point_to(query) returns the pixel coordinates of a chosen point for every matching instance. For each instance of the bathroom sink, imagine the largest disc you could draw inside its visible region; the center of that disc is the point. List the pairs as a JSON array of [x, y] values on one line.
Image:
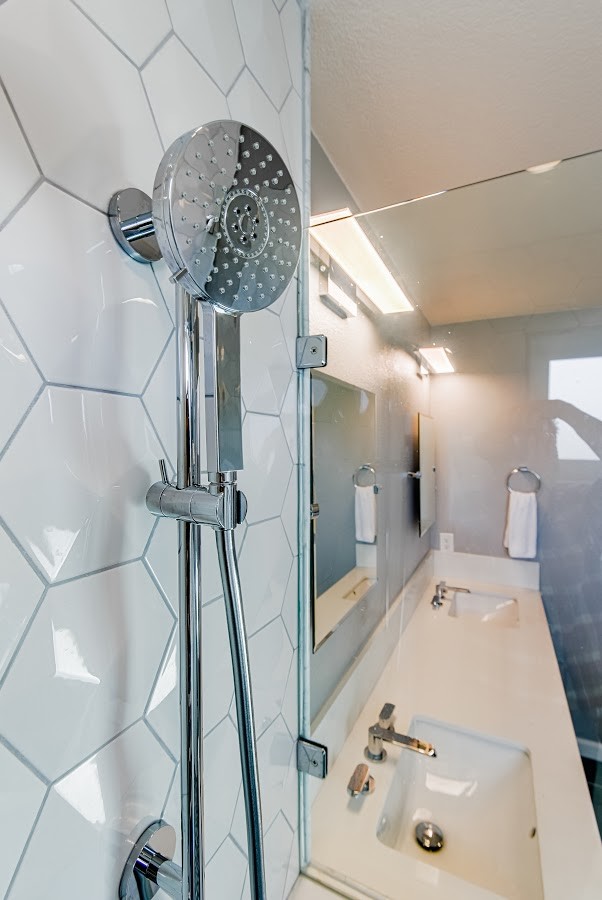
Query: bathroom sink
[[493, 609], [479, 791]]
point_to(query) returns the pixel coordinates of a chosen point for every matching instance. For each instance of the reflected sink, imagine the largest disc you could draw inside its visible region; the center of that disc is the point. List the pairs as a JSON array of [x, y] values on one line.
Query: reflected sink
[[479, 791], [494, 609]]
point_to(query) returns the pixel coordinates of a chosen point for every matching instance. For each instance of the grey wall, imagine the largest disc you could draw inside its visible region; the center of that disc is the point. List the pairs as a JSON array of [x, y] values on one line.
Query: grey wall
[[495, 414], [359, 354], [344, 429]]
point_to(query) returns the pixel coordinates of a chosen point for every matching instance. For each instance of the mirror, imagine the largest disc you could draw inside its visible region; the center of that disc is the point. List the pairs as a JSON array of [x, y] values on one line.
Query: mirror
[[506, 275], [426, 457], [345, 491]]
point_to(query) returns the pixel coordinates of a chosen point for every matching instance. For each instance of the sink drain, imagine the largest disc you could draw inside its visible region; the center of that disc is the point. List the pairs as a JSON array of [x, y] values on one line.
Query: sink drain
[[429, 836]]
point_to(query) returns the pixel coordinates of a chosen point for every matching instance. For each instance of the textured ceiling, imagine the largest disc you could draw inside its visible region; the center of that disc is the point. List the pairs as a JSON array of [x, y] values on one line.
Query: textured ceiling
[[413, 97]]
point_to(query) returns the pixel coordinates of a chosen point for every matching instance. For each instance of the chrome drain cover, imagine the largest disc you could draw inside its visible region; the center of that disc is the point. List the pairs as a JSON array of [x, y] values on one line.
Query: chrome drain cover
[[429, 836]]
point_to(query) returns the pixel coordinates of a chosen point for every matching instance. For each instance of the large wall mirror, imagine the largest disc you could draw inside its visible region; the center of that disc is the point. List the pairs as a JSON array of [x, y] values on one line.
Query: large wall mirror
[[503, 278]]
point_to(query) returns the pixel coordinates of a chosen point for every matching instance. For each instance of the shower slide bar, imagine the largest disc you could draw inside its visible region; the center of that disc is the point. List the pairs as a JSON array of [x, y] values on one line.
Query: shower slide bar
[[230, 237]]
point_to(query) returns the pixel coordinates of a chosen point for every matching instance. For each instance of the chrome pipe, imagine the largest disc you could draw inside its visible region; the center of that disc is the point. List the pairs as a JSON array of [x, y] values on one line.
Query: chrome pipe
[[189, 552], [244, 705]]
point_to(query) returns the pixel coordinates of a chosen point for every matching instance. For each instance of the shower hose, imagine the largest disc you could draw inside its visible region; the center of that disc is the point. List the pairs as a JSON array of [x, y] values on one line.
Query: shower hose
[[244, 707]]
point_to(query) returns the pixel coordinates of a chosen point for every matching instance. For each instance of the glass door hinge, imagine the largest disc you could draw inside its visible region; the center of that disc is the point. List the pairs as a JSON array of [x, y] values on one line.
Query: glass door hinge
[[312, 758], [311, 351]]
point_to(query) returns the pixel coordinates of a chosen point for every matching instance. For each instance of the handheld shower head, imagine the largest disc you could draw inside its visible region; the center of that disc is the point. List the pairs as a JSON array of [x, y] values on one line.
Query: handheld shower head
[[226, 216]]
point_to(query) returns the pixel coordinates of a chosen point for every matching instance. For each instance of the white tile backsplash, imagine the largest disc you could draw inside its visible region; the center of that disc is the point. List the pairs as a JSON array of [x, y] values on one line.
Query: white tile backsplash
[[15, 160], [22, 793], [20, 591], [212, 35], [81, 679], [98, 322], [88, 640], [93, 456], [17, 370], [93, 815], [80, 101], [172, 73], [114, 18], [260, 31]]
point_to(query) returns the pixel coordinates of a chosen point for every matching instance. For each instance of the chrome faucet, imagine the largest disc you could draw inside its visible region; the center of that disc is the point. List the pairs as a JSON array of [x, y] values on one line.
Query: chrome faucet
[[383, 732], [441, 593]]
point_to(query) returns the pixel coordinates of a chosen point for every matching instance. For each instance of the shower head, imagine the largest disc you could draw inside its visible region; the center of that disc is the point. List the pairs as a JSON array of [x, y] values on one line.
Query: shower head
[[226, 216]]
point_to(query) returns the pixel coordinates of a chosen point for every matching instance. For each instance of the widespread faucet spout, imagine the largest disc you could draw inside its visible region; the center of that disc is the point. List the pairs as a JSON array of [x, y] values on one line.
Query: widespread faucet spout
[[383, 732]]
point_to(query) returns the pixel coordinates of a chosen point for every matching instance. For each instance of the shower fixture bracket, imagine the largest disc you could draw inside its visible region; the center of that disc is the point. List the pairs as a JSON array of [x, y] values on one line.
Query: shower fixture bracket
[[131, 221], [225, 218], [149, 866]]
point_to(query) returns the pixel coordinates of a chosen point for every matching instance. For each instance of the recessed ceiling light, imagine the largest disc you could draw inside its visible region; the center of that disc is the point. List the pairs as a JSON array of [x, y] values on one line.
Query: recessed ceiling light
[[544, 167], [348, 244]]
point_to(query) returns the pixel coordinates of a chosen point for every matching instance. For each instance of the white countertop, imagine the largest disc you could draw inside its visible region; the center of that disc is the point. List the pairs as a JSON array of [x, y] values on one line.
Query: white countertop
[[502, 682]]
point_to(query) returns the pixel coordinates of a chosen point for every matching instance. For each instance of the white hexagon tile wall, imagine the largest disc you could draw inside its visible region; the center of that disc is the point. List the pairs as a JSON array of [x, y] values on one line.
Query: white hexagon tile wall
[[91, 93]]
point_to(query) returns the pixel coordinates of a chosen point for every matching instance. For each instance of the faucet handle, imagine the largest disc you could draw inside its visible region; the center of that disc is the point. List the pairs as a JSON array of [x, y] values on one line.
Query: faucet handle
[[386, 717], [361, 782]]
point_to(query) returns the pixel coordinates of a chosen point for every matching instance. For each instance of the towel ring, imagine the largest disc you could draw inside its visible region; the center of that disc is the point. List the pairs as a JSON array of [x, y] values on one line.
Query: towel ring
[[524, 470], [365, 468]]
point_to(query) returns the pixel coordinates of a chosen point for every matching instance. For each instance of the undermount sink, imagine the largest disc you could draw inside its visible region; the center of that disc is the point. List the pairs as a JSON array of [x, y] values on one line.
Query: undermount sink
[[479, 791], [493, 609]]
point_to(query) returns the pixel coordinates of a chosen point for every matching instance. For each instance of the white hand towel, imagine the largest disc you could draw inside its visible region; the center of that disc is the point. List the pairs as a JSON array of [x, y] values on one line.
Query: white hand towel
[[520, 538], [365, 514]]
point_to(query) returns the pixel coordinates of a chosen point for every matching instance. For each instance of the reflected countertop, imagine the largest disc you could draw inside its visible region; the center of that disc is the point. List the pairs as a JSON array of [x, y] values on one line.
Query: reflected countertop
[[499, 681]]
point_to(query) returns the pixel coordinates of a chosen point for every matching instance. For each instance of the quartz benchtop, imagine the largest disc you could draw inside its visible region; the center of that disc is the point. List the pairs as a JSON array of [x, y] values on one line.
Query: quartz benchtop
[[499, 681]]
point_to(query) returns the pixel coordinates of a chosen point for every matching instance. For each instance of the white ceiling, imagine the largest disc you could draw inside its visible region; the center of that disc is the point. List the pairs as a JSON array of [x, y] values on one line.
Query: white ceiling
[[415, 96]]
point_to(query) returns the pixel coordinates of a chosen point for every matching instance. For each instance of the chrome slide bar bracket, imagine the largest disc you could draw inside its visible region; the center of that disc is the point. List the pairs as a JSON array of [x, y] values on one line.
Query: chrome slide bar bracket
[[149, 866]]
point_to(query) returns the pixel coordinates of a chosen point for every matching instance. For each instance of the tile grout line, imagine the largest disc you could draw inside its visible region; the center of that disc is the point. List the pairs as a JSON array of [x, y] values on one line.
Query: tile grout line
[[170, 786], [152, 112], [20, 336], [113, 392], [27, 842], [5, 222], [24, 760], [101, 31], [74, 196], [94, 752], [21, 421], [159, 740], [166, 455], [159, 359], [21, 640], [4, 90], [200, 65], [157, 675], [11, 535], [150, 537], [157, 49], [154, 271], [155, 581], [82, 575]]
